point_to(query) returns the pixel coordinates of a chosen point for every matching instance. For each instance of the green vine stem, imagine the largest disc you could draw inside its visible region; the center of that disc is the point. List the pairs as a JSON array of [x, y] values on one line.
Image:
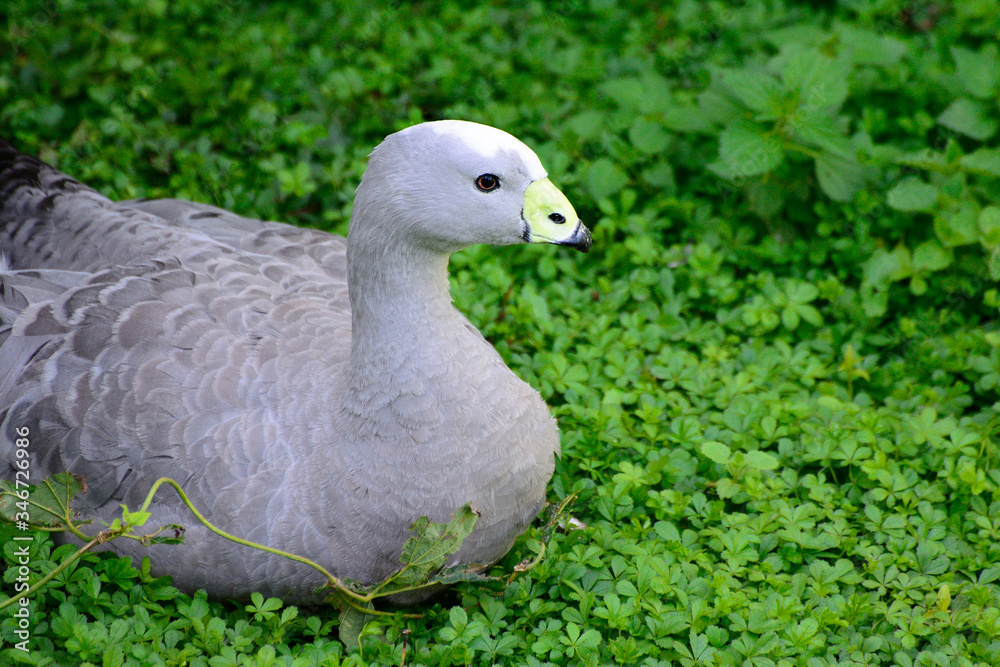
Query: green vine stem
[[352, 598]]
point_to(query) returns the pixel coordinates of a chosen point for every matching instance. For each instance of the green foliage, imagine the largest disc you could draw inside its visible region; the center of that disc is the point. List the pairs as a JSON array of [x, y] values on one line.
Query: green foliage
[[432, 543], [46, 507], [777, 373], [49, 507]]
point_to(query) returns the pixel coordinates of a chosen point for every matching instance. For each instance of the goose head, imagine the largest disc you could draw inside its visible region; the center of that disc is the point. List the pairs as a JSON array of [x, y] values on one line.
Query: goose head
[[445, 185]]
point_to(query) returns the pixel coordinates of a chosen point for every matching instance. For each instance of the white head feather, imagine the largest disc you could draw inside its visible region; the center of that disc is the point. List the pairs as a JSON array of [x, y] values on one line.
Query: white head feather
[[486, 141]]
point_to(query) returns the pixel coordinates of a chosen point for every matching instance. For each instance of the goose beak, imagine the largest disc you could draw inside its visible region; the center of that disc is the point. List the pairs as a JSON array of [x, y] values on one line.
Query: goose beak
[[548, 217]]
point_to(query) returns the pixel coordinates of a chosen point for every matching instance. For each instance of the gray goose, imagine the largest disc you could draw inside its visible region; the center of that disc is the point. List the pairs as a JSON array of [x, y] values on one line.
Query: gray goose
[[311, 393]]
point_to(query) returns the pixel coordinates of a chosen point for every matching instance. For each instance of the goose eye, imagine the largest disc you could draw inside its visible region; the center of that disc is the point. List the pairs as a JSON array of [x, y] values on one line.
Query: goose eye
[[487, 183]]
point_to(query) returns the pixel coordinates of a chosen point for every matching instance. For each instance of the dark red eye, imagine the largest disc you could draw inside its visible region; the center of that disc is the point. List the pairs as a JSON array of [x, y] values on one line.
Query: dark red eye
[[487, 183]]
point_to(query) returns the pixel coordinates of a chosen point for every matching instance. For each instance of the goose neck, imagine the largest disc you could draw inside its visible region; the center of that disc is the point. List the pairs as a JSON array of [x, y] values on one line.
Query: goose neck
[[400, 300]]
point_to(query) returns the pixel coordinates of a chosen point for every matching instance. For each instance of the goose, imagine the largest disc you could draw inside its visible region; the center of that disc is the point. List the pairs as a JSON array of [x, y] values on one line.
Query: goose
[[311, 393]]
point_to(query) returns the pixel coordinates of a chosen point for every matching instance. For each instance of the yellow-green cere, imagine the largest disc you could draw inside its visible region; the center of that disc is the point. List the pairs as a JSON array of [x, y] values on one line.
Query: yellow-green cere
[[548, 214]]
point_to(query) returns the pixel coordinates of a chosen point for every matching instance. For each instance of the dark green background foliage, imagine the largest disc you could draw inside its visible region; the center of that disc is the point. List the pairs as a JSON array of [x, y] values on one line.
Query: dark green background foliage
[[776, 374]]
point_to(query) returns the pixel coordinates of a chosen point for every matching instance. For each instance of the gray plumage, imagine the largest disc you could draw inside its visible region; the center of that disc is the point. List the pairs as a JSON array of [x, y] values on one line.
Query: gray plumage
[[308, 393]]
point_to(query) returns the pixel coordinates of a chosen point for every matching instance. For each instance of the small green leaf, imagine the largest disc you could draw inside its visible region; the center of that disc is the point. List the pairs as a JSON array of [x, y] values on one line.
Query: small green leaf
[[716, 106], [820, 80], [716, 451], [874, 302], [648, 137], [667, 531], [761, 460], [745, 150], [790, 318], [969, 118], [870, 47], [757, 90], [839, 177], [727, 488], [810, 315], [587, 124], [880, 268], [801, 292], [605, 178], [989, 226], [134, 519], [686, 120], [931, 256], [957, 226], [850, 365], [986, 160], [912, 194], [48, 502], [427, 551], [176, 538], [629, 92], [661, 175], [458, 618], [459, 574], [943, 601], [978, 71], [818, 129], [352, 623]]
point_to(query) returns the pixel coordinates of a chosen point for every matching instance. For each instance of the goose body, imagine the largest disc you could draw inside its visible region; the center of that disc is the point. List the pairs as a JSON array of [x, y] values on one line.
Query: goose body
[[311, 393]]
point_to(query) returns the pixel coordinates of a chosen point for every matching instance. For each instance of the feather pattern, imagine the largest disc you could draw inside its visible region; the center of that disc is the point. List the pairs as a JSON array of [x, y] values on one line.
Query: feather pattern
[[309, 393]]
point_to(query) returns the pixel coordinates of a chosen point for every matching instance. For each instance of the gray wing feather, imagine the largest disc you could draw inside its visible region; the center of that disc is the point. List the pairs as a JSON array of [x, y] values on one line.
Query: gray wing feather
[[307, 248], [138, 339]]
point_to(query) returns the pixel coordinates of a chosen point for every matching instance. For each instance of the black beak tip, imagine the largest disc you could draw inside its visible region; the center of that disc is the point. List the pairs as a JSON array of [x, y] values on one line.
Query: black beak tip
[[582, 239]]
